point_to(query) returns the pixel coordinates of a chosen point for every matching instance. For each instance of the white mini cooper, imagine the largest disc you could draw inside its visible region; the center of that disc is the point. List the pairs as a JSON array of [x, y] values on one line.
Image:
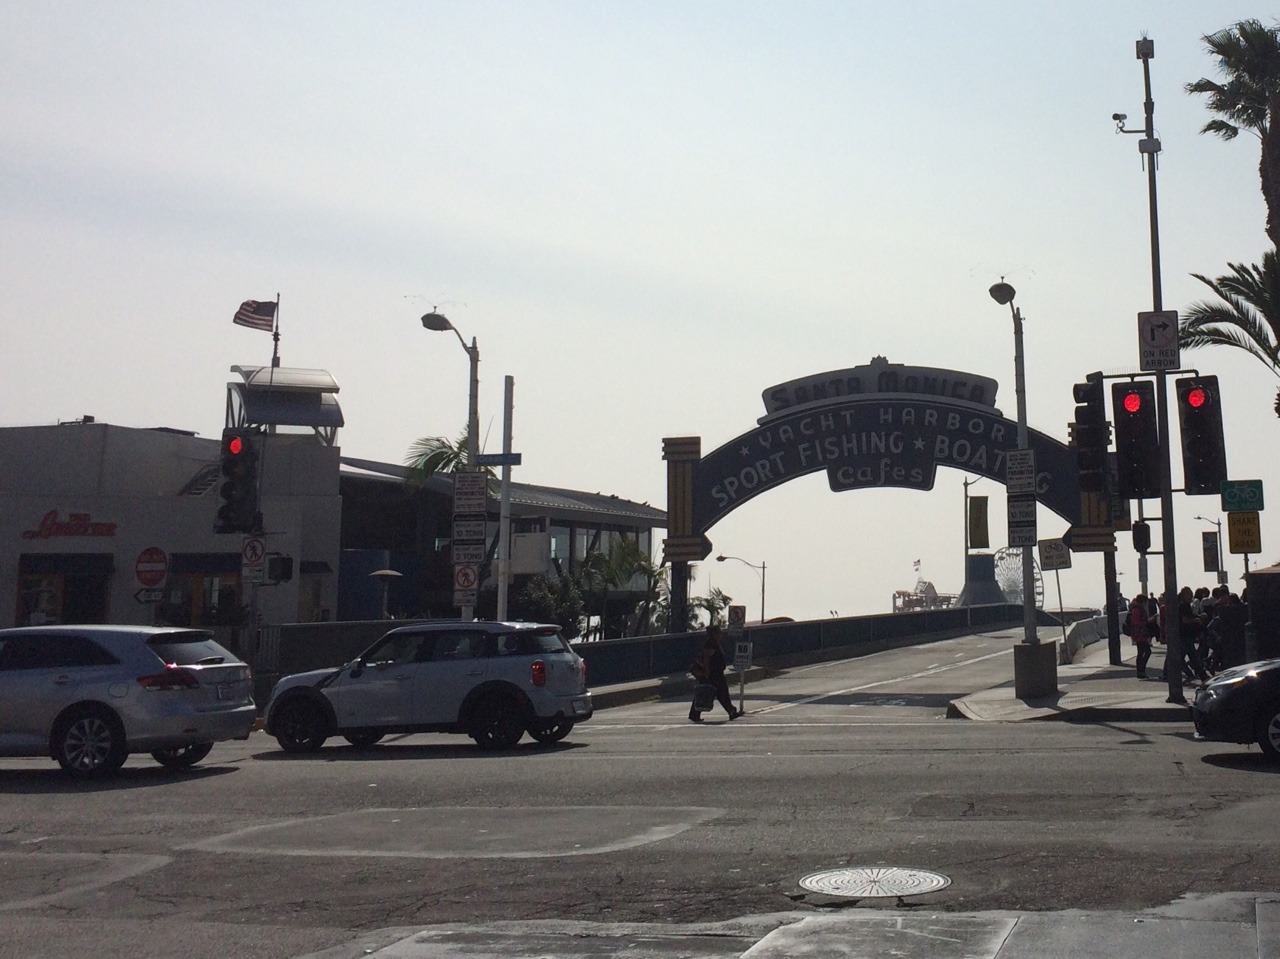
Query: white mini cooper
[[492, 681]]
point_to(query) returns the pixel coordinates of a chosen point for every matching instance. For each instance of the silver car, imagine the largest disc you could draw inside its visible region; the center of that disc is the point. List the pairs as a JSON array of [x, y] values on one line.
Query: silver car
[[89, 695]]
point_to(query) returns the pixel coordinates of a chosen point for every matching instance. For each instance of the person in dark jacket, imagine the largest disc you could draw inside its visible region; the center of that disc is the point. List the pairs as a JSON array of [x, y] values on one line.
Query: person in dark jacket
[[713, 667]]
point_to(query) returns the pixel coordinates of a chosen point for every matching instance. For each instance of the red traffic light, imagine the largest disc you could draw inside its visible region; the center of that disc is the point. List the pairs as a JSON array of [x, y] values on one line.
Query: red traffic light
[[1197, 397], [235, 446], [1132, 402]]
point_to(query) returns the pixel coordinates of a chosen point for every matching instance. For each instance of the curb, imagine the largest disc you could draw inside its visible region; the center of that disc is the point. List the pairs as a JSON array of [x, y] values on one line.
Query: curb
[[673, 686]]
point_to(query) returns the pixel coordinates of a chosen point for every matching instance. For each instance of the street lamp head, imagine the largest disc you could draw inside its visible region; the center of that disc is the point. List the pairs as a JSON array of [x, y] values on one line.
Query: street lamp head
[[1002, 293], [721, 558], [435, 321]]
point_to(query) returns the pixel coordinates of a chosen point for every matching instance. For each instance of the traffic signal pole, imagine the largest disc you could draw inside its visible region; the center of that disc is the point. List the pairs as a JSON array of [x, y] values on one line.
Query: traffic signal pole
[[1149, 147]]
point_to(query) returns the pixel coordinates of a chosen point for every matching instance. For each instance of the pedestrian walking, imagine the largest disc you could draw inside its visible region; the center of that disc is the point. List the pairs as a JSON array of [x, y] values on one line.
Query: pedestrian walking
[[711, 664], [1136, 626], [1190, 627]]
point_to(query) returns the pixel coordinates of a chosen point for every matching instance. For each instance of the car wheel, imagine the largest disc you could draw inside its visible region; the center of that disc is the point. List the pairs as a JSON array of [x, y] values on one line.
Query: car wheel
[[362, 740], [550, 732], [300, 727], [1269, 732], [496, 723], [90, 742], [181, 757]]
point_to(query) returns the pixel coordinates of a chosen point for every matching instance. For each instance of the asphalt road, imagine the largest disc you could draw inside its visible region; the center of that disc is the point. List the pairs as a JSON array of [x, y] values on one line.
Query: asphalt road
[[640, 816]]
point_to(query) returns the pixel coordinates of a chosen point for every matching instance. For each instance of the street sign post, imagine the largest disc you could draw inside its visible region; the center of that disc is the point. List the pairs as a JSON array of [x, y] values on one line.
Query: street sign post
[[253, 561], [466, 583], [468, 554], [469, 529], [498, 459], [742, 649], [1244, 532], [742, 662], [1022, 520], [151, 568], [470, 493], [1241, 496], [1020, 475], [1158, 341], [1054, 555]]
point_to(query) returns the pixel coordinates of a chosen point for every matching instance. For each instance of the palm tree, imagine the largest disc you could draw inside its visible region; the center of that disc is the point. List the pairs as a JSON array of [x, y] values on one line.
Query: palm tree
[[429, 455], [1247, 315], [1248, 55]]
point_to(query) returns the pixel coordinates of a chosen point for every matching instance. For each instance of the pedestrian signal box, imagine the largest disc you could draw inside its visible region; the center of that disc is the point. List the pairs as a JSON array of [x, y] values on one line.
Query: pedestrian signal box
[[1204, 458], [1141, 537], [1133, 408]]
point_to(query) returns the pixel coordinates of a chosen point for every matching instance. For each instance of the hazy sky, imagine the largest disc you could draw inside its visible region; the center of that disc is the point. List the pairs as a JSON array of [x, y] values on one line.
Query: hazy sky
[[645, 212]]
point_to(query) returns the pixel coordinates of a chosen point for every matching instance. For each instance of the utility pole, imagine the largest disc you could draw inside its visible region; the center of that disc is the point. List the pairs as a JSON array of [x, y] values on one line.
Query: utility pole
[[1149, 147]]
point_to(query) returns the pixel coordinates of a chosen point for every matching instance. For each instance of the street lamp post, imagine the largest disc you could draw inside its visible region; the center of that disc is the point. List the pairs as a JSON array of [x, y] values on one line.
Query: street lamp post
[[439, 323], [760, 571], [1035, 670], [1217, 523], [1149, 149]]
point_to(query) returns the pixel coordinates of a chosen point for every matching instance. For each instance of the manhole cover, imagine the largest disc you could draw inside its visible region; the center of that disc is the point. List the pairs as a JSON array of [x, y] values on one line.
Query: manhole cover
[[866, 882]]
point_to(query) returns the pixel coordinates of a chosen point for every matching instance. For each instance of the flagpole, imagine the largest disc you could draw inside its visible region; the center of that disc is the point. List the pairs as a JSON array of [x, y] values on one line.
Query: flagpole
[[275, 336]]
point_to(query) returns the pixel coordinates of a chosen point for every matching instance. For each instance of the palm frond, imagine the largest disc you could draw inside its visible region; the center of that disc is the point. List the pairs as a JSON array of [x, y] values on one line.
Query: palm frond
[[1248, 316]]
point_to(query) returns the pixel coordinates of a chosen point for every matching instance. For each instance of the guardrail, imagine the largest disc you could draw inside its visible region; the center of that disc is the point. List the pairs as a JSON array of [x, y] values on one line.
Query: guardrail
[[299, 647]]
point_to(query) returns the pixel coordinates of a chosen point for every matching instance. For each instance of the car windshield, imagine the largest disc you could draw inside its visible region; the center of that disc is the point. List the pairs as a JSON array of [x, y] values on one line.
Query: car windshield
[[192, 648]]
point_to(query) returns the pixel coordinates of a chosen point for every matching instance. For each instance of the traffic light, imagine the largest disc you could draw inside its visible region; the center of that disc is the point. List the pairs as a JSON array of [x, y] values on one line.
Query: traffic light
[[1133, 408], [1141, 537], [1204, 460], [1091, 434], [239, 510]]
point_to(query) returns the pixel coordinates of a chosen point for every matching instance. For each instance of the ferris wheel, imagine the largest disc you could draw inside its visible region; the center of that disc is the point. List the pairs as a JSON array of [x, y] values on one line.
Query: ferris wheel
[[1009, 575]]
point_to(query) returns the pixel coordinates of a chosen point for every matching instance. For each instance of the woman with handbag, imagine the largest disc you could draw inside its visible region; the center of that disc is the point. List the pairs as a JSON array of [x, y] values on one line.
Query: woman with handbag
[[708, 668]]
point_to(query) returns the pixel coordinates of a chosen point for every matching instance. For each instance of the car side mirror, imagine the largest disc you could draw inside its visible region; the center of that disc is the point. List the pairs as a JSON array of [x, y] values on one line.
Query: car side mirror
[[357, 667]]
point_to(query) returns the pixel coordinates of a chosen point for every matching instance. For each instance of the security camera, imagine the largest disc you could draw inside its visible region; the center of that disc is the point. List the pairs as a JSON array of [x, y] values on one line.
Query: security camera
[[1119, 117]]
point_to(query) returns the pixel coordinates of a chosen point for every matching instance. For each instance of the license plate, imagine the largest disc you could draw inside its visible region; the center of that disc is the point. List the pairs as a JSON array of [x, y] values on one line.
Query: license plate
[[579, 705]]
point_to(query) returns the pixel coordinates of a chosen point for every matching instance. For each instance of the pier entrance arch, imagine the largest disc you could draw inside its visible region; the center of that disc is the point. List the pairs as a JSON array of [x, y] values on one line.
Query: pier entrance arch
[[874, 426]]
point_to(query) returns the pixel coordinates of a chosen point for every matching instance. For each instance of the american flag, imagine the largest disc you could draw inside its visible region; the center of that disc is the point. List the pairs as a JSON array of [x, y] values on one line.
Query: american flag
[[916, 566], [259, 316]]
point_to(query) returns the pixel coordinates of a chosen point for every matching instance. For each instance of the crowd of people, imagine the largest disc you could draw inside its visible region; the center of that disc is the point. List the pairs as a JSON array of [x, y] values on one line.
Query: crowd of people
[[1211, 626]]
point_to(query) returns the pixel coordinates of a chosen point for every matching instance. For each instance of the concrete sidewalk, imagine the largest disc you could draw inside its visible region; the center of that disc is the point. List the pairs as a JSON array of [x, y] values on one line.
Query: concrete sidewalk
[[1245, 924], [1089, 690]]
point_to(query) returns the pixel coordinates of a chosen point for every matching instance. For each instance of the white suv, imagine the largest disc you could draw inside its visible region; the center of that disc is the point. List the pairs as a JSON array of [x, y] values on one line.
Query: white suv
[[492, 681]]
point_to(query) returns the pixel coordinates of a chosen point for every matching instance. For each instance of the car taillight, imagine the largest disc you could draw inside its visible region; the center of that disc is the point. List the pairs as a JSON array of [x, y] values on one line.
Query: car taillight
[[539, 673], [583, 664], [173, 677]]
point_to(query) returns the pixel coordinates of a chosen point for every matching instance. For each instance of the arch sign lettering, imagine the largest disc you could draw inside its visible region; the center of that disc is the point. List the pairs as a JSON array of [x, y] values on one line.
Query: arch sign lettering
[[874, 426]]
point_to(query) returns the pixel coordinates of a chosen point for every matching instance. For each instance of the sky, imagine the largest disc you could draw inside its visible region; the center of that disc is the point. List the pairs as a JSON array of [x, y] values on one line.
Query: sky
[[645, 213]]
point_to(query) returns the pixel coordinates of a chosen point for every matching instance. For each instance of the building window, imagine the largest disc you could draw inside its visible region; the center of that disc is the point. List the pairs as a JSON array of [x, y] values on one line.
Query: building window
[[560, 544], [39, 600]]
